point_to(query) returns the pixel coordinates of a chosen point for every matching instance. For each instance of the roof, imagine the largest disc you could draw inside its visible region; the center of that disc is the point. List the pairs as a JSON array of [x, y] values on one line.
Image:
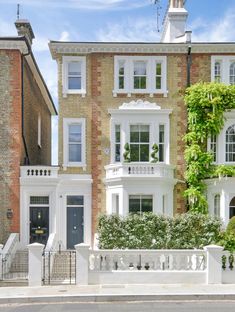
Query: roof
[[21, 44]]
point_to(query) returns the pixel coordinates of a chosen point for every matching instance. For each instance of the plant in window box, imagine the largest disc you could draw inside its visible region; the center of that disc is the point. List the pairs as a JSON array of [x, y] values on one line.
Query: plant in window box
[[127, 153], [154, 153]]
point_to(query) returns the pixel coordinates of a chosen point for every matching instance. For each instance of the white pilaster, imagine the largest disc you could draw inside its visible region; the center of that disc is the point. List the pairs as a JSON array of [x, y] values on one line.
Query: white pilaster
[[35, 264], [214, 264], [82, 264]]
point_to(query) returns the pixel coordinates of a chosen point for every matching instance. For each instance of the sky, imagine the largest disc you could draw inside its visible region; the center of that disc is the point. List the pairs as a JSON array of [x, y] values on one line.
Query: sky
[[108, 20]]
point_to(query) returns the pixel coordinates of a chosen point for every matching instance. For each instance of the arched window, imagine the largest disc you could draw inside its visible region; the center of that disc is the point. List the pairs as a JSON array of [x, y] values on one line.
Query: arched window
[[232, 74], [230, 144], [232, 208], [217, 205], [217, 71]]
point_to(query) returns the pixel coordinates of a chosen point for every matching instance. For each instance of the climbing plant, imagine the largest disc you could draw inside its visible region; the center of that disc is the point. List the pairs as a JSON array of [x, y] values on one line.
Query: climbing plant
[[206, 104]]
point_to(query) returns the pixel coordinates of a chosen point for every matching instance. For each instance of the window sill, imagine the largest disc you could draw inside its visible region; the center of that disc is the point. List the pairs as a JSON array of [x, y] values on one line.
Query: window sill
[[74, 165], [151, 93], [75, 92]]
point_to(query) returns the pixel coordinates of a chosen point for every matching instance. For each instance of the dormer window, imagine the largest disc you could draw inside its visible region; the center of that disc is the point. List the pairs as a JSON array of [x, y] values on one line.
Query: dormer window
[[74, 75]]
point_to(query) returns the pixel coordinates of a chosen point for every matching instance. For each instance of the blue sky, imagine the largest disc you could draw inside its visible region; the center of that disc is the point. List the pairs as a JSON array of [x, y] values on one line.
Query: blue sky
[[108, 20]]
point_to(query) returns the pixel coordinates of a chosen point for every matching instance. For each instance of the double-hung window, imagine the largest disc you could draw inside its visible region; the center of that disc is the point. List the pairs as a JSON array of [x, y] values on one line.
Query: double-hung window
[[139, 204], [74, 142], [74, 75], [161, 144], [213, 146], [139, 143], [117, 143], [140, 74]]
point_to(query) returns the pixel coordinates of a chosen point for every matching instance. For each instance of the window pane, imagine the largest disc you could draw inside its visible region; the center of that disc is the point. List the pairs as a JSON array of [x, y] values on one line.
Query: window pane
[[74, 83], [140, 68], [121, 83], [121, 67], [75, 152], [144, 152], [134, 134], [158, 69], [144, 134], [147, 204], [134, 204], [39, 200], [117, 152], [139, 82], [75, 200], [75, 133], [74, 68], [134, 152], [117, 133], [158, 82]]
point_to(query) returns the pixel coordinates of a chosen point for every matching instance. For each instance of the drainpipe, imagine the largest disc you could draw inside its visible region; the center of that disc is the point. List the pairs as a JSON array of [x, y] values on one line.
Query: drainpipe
[[26, 160], [189, 63]]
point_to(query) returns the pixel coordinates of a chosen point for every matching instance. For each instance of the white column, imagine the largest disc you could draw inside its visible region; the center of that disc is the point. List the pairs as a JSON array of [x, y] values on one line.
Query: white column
[[214, 264], [35, 264], [82, 264]]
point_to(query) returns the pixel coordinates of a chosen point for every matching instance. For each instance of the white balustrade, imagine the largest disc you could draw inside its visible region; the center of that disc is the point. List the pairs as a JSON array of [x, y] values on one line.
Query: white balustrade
[[139, 169], [38, 172], [156, 260]]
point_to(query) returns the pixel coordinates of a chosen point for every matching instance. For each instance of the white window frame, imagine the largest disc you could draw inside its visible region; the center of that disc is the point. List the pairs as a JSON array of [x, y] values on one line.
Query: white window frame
[[151, 74], [66, 60], [141, 199], [225, 62], [66, 123]]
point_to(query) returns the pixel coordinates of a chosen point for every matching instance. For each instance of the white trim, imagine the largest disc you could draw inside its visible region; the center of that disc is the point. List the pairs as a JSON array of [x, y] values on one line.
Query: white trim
[[225, 61], [65, 61], [66, 123], [151, 74]]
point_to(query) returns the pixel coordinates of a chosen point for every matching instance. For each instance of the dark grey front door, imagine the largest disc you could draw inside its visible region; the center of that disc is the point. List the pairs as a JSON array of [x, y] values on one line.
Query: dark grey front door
[[74, 226], [39, 224]]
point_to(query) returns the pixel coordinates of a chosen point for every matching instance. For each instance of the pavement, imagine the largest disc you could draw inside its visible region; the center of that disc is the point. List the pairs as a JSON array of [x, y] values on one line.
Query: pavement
[[109, 293]]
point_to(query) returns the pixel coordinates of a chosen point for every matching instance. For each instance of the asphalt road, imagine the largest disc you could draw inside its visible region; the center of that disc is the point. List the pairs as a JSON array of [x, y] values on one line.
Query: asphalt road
[[167, 306]]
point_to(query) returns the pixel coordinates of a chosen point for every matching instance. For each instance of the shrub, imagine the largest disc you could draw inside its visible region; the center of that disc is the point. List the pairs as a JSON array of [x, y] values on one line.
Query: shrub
[[227, 240], [151, 231], [231, 226]]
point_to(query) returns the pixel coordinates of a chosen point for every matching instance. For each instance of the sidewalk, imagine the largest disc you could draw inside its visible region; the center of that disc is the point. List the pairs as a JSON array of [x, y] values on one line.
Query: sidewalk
[[107, 293]]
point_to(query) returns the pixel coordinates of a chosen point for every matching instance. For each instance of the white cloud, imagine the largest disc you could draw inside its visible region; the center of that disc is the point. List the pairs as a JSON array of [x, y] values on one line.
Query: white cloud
[[85, 4], [217, 31], [65, 36], [130, 30]]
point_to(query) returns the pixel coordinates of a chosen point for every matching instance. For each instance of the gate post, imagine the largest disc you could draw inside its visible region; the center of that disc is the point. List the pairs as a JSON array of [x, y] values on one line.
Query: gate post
[[82, 264], [35, 264], [214, 264]]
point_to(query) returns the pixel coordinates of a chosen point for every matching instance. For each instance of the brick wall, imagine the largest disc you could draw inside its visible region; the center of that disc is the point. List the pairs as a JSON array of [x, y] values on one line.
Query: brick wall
[[34, 105], [10, 140]]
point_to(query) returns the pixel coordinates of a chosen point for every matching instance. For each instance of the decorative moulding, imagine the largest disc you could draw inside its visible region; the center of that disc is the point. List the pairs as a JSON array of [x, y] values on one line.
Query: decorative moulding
[[139, 104]]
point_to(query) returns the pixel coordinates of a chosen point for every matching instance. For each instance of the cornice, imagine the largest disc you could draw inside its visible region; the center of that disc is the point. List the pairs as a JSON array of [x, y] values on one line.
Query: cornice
[[14, 45], [62, 48]]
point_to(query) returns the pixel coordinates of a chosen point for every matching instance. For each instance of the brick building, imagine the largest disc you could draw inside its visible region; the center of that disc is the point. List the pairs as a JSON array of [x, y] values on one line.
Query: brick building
[[25, 122], [119, 99]]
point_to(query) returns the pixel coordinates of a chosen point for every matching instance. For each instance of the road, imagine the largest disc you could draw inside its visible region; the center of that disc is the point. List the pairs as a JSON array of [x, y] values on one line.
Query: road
[[167, 306]]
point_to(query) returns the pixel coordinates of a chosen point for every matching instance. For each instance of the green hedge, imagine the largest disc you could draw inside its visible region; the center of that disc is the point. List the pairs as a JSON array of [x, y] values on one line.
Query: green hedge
[[151, 231]]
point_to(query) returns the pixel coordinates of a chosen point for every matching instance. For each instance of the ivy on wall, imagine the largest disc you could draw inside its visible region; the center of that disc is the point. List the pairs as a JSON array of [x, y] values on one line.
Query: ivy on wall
[[206, 104]]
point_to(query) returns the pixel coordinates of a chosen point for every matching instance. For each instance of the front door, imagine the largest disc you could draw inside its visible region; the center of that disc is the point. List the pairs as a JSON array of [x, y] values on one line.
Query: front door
[[39, 224], [74, 226]]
